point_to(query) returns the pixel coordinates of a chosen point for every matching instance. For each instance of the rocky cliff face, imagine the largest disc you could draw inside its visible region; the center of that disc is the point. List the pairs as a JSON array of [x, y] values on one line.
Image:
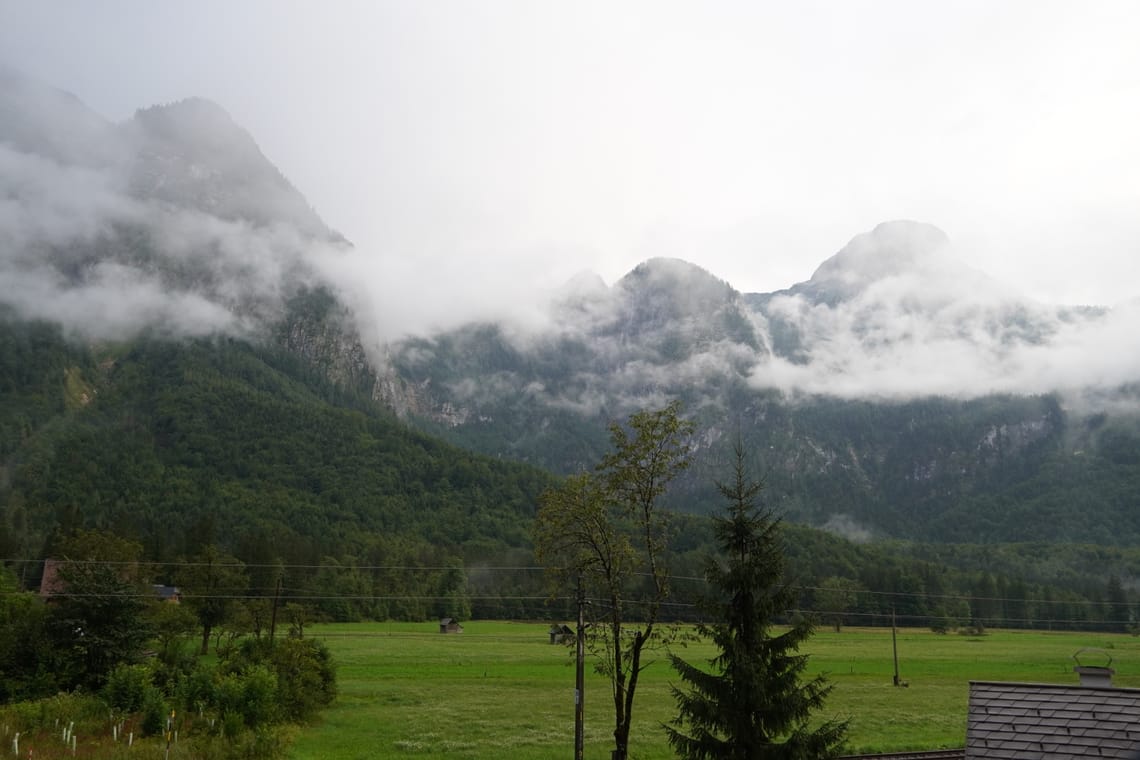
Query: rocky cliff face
[[320, 330]]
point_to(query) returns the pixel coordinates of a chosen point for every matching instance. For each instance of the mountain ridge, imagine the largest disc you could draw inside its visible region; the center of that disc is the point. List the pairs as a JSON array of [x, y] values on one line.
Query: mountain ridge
[[890, 392], [913, 458]]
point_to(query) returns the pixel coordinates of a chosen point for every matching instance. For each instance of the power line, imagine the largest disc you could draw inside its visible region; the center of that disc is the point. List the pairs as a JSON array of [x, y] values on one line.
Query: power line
[[912, 618], [477, 569], [313, 594]]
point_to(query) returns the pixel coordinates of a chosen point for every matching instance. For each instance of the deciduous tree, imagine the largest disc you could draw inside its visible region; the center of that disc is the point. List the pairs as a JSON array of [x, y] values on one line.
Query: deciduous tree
[[98, 618], [25, 653], [211, 584], [607, 527], [835, 596]]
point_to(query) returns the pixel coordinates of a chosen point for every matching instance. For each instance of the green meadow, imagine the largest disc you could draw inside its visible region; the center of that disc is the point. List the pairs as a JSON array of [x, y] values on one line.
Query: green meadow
[[501, 690]]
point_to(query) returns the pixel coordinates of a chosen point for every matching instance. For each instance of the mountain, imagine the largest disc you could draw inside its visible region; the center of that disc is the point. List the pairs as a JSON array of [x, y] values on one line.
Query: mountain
[[188, 154], [192, 154], [892, 249], [171, 223], [897, 393], [900, 286], [175, 367]]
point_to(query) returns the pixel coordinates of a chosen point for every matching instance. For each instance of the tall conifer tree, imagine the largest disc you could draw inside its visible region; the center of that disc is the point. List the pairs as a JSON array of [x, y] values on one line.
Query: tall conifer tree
[[753, 702]]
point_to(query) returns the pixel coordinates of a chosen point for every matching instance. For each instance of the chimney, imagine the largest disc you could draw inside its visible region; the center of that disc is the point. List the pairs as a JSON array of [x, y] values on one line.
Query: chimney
[[1094, 676]]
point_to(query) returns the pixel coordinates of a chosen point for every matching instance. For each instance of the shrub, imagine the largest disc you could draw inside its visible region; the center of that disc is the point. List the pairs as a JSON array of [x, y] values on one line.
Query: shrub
[[126, 687], [303, 668], [198, 690], [306, 677], [250, 694], [153, 709]]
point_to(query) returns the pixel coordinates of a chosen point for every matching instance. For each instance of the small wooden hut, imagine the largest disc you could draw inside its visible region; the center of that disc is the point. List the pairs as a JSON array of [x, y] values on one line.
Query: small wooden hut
[[561, 633]]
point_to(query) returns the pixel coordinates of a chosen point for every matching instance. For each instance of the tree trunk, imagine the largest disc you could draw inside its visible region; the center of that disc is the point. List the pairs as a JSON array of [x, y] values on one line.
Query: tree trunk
[[206, 631], [621, 725], [621, 739], [621, 733]]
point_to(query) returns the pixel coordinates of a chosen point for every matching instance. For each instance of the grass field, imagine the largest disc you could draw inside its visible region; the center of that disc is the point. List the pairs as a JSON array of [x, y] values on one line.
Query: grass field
[[501, 691]]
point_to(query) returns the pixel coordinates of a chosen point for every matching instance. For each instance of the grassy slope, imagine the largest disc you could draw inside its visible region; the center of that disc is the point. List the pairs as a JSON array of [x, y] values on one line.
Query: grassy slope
[[501, 691]]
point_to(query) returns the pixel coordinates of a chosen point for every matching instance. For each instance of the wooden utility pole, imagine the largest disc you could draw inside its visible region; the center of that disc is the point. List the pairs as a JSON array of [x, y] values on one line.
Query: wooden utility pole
[[895, 646], [580, 674], [273, 616]]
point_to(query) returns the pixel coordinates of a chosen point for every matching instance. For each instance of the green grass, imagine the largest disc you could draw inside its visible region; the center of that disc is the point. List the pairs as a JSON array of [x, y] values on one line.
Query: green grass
[[499, 690]]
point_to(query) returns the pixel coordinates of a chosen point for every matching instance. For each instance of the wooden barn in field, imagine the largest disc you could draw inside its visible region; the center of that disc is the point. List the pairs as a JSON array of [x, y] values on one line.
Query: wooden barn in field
[[561, 633], [450, 625]]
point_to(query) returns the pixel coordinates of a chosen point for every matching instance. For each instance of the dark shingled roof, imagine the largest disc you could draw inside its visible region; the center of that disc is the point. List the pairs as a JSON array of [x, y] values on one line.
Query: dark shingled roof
[[1020, 721]]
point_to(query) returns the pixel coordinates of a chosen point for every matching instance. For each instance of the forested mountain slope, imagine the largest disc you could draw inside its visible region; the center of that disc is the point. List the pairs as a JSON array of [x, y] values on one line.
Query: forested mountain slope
[[997, 468], [185, 443]]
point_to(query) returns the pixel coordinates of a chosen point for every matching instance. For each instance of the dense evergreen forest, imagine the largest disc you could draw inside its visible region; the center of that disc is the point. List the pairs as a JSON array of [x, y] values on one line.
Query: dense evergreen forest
[[239, 449], [183, 445]]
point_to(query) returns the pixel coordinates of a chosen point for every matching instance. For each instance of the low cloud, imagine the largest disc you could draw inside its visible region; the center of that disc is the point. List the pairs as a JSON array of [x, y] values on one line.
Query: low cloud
[[908, 338], [78, 249], [114, 302], [43, 202], [846, 526]]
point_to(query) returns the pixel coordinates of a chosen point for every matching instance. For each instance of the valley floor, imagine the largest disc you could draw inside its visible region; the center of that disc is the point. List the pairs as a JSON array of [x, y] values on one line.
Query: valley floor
[[501, 690]]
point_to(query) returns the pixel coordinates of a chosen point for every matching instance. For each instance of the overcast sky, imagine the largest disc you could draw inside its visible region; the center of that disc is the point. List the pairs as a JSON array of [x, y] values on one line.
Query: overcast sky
[[485, 148]]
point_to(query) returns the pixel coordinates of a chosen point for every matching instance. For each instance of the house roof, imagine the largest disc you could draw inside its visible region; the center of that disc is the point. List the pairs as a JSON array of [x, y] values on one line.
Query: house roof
[[51, 584], [1019, 721]]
